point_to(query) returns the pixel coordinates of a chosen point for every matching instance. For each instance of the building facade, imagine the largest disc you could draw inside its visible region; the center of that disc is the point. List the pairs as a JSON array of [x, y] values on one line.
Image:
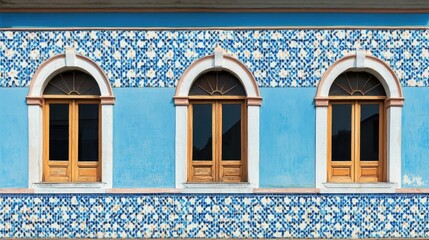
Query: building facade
[[244, 120]]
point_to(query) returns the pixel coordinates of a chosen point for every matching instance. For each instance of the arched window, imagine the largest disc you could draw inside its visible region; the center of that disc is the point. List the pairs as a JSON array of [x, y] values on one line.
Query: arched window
[[217, 129], [356, 126], [71, 128]]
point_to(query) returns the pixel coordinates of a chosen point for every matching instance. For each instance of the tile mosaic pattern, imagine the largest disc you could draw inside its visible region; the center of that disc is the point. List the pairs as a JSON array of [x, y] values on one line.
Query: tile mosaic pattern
[[214, 216], [277, 58]]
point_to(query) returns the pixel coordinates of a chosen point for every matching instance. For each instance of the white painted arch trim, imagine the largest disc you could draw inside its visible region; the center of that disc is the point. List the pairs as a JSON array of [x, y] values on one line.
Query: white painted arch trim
[[51, 67], [361, 62], [218, 61]]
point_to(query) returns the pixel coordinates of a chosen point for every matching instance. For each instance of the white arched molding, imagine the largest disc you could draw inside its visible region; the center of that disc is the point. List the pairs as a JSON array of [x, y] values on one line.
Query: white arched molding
[[394, 102], [47, 70], [218, 61]]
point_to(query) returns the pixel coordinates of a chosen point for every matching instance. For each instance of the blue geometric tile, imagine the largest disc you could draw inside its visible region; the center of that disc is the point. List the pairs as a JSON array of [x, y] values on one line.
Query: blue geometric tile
[[158, 58], [215, 216]]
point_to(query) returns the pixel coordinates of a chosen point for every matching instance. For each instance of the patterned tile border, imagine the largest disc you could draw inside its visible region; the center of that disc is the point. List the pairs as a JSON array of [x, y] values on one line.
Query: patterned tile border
[[214, 216], [157, 58]]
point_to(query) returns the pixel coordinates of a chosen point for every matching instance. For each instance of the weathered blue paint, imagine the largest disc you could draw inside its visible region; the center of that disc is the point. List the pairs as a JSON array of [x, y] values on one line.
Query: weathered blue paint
[[287, 137], [213, 19], [415, 138], [13, 138], [143, 133], [144, 130]]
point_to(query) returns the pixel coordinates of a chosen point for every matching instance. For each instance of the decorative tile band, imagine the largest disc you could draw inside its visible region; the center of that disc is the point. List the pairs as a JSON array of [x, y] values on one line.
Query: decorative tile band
[[157, 58], [214, 216]]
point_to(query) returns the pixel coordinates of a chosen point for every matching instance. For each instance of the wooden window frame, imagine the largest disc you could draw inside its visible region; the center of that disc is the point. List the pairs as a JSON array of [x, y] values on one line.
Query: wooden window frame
[[74, 167], [217, 163], [355, 164]]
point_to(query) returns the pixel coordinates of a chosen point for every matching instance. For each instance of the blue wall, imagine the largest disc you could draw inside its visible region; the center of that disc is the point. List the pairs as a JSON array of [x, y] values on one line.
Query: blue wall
[[144, 133], [415, 138], [287, 137], [213, 19], [143, 145], [13, 138]]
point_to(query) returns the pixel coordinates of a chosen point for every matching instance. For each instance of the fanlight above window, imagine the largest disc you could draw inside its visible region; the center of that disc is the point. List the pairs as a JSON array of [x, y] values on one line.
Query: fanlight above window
[[72, 83], [357, 84], [217, 83]]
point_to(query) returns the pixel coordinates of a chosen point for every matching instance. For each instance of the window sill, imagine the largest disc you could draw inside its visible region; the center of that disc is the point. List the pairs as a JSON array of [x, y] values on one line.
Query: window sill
[[382, 187], [217, 188], [69, 187]]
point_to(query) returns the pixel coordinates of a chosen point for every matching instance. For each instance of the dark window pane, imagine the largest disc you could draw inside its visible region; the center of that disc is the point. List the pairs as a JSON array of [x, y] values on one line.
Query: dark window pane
[[231, 132], [202, 132], [58, 132], [341, 132], [88, 132], [369, 129]]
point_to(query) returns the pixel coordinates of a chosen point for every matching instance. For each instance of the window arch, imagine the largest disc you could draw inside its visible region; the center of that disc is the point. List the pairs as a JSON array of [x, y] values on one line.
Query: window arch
[[58, 80], [211, 86], [360, 86], [217, 129], [356, 129]]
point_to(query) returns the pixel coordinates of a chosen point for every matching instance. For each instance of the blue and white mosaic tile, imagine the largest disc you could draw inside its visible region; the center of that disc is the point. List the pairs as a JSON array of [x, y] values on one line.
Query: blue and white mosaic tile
[[214, 216], [277, 58]]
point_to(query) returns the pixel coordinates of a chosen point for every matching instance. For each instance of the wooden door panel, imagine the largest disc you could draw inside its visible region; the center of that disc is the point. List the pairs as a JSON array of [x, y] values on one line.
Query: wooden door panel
[[202, 172], [87, 172], [231, 172], [369, 171], [341, 171], [57, 171]]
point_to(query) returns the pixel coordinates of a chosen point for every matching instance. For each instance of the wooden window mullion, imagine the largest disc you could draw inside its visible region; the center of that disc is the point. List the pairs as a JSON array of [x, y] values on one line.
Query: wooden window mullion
[[73, 139], [215, 132], [356, 141], [382, 143]]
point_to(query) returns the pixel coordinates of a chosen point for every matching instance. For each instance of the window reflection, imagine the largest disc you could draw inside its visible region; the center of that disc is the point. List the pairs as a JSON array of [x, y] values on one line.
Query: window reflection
[[369, 130], [341, 132], [231, 131], [202, 132], [88, 132], [58, 131]]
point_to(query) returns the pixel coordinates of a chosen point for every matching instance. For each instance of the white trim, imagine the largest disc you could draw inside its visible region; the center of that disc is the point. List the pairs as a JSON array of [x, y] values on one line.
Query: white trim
[[70, 57], [393, 142], [383, 187], [361, 62], [58, 64], [217, 188], [69, 187], [321, 146], [35, 159], [181, 145], [203, 65], [253, 145], [207, 64]]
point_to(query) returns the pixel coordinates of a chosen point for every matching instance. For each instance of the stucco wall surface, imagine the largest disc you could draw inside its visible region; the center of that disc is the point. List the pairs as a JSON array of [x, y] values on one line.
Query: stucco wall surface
[[13, 138], [415, 138], [287, 138], [143, 133], [144, 130]]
